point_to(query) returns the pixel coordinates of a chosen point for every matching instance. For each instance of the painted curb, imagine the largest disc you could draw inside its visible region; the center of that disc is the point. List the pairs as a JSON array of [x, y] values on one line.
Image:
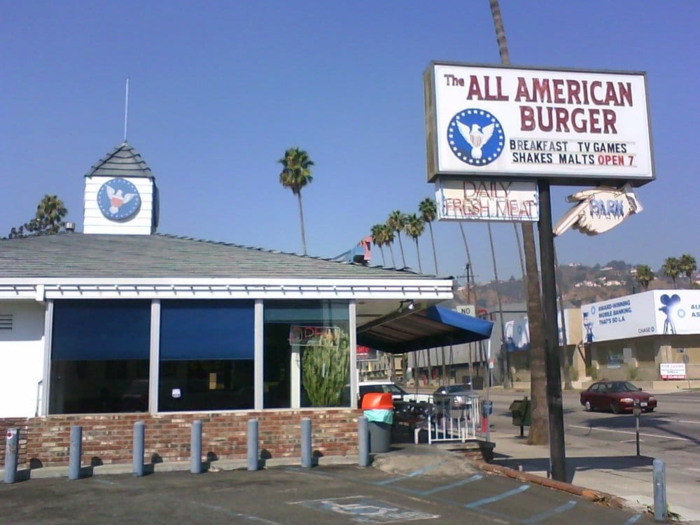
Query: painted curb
[[595, 496]]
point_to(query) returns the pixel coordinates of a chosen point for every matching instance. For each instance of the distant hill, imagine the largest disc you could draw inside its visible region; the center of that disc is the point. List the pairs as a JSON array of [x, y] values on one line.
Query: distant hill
[[580, 284]]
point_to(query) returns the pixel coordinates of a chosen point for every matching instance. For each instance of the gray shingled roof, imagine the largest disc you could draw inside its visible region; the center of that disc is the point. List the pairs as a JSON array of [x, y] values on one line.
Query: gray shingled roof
[[76, 255], [122, 161]]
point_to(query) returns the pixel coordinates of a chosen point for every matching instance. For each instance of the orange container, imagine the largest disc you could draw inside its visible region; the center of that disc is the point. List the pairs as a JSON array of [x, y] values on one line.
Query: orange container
[[375, 400]]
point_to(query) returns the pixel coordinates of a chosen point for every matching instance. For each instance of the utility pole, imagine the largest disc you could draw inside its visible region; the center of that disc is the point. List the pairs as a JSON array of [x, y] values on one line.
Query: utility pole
[[557, 449]]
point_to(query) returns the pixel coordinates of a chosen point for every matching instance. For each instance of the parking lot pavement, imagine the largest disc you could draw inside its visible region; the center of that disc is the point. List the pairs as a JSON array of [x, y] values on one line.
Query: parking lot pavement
[[291, 495]]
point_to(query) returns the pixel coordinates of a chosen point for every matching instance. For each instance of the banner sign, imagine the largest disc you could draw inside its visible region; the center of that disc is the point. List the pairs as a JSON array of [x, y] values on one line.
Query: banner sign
[[572, 127], [664, 312], [313, 335], [487, 200], [672, 370]]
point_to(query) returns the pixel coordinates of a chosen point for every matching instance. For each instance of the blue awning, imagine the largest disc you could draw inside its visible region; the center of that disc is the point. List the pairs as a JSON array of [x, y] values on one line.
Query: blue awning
[[430, 328]]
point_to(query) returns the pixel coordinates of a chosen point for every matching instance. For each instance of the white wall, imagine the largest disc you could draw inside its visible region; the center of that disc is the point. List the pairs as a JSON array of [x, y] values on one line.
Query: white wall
[[21, 358], [139, 224]]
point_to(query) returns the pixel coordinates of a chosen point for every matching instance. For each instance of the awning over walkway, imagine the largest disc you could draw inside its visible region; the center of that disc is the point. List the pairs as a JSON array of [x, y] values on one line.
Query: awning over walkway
[[435, 326]]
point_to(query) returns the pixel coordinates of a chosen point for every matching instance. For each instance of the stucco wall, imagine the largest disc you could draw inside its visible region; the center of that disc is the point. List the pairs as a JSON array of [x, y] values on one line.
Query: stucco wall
[[21, 358]]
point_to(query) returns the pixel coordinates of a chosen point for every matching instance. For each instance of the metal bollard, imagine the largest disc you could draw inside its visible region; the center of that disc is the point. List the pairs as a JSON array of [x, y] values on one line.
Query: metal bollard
[[253, 454], [660, 504], [196, 447], [363, 441], [306, 442], [11, 454], [76, 452], [139, 437]]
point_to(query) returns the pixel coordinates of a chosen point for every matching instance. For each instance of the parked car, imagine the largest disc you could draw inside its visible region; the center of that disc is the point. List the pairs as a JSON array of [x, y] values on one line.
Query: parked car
[[618, 396], [457, 394]]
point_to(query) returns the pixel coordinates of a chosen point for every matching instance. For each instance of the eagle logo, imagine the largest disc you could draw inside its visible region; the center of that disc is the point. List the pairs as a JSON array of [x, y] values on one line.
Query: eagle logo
[[118, 199], [476, 137]]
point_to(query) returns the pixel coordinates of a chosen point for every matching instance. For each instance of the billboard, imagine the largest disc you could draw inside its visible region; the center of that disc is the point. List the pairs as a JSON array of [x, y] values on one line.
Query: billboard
[[487, 200], [572, 127], [656, 312]]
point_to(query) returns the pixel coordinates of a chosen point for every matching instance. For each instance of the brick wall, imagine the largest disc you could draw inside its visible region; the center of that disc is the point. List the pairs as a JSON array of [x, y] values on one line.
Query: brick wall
[[108, 438]]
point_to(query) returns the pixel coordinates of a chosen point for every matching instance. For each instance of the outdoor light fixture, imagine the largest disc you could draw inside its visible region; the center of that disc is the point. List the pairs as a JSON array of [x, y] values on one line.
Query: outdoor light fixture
[[407, 305]]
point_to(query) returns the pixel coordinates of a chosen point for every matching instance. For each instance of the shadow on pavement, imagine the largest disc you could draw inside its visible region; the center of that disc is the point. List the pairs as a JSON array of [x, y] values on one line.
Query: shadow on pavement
[[574, 464]]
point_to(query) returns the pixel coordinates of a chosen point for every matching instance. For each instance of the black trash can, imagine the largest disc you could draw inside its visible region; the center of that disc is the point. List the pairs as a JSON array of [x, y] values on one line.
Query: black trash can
[[379, 437]]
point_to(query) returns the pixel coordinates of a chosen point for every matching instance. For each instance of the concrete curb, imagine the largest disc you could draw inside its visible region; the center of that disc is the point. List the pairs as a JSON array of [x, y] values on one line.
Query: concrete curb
[[595, 496]]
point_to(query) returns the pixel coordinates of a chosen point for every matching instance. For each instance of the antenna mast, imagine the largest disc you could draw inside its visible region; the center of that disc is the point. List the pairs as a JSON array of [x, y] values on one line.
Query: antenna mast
[[126, 109]]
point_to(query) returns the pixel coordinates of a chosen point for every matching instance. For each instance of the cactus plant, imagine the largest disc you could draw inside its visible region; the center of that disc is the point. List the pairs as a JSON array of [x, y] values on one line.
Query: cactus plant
[[326, 368]]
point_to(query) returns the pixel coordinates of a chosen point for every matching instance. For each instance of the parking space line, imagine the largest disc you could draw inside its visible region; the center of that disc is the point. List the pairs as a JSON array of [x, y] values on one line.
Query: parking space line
[[657, 436], [551, 512], [633, 519], [412, 474], [485, 501], [456, 484]]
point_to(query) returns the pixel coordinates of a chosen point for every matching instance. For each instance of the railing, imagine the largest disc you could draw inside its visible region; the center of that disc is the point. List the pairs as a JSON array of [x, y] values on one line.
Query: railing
[[445, 418]]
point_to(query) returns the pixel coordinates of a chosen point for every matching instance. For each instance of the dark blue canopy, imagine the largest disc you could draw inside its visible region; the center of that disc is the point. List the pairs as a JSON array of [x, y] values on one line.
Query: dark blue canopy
[[430, 328]]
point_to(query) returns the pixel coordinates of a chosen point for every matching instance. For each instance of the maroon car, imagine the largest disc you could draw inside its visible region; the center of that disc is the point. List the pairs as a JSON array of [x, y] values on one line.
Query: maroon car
[[617, 396]]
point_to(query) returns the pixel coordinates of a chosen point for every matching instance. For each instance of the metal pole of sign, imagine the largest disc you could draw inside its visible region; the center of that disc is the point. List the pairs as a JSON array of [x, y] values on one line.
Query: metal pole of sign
[[660, 512], [637, 413], [557, 449]]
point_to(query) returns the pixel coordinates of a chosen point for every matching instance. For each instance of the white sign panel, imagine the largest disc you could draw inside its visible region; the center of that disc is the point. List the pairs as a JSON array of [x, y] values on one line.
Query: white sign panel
[[677, 311], [672, 370], [487, 200], [657, 312], [568, 126], [466, 309]]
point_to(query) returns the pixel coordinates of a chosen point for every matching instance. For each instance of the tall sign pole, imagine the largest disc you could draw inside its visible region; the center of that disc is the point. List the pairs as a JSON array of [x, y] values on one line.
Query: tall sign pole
[[557, 451]]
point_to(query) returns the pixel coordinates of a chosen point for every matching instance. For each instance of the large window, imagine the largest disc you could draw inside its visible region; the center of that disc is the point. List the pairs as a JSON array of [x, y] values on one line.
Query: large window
[[206, 355], [306, 348], [100, 356]]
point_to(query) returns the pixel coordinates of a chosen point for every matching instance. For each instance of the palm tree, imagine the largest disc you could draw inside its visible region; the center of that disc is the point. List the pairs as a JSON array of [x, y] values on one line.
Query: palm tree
[[672, 269], [295, 174], [504, 349], [688, 266], [389, 241], [379, 240], [538, 434], [428, 212], [644, 276], [414, 228], [397, 222]]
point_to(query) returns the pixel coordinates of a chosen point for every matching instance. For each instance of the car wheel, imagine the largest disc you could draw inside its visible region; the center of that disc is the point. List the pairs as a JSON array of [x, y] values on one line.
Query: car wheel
[[615, 408], [588, 406]]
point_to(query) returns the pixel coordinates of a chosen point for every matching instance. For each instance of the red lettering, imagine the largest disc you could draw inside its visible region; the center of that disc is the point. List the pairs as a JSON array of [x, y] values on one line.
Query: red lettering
[[474, 89], [577, 122], [609, 118], [527, 118], [522, 92], [562, 119], [595, 85], [574, 89], [558, 91]]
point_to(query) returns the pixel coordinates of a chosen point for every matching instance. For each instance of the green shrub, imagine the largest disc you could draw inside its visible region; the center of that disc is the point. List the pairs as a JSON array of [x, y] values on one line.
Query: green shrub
[[633, 372], [573, 373], [592, 372], [326, 368]]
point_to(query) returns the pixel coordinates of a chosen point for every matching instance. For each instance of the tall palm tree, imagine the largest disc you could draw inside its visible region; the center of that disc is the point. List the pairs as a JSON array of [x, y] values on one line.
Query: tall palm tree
[[538, 434], [428, 212], [414, 229], [389, 241], [397, 222], [504, 349], [671, 268], [379, 240], [688, 266], [644, 276], [295, 174]]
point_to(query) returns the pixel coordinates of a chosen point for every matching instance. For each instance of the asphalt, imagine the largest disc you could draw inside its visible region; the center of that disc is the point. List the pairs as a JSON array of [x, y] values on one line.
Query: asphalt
[[415, 483]]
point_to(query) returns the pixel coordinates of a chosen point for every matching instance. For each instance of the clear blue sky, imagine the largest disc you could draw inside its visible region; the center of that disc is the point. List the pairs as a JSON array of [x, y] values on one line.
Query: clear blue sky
[[220, 89]]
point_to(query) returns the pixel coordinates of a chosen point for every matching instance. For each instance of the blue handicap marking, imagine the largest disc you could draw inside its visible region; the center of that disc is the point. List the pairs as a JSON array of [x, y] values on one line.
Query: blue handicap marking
[[367, 510]]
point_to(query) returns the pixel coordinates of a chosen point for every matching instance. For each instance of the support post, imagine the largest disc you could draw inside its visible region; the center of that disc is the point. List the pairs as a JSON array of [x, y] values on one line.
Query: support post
[[253, 454], [549, 299], [660, 513], [196, 447], [11, 454], [306, 442], [363, 441], [139, 439], [76, 452]]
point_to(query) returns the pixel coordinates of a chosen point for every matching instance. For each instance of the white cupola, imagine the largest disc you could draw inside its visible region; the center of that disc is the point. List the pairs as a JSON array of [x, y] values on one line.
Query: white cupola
[[121, 196]]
